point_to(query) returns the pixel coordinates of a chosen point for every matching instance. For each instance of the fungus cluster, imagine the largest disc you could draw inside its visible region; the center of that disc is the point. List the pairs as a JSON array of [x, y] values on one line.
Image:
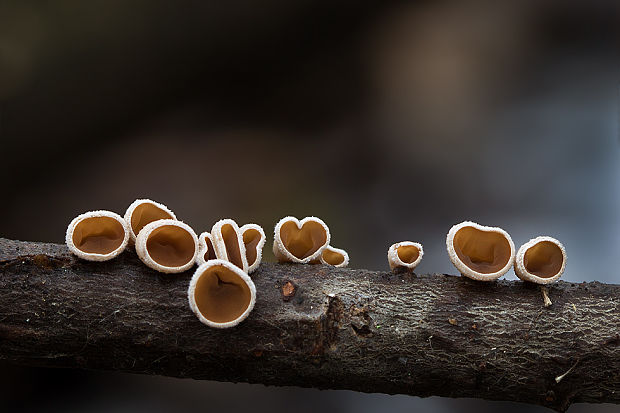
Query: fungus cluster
[[161, 241], [306, 241], [486, 253], [221, 292]]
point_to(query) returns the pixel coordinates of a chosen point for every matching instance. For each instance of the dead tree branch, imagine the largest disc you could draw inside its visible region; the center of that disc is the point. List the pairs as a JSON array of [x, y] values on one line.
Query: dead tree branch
[[316, 326]]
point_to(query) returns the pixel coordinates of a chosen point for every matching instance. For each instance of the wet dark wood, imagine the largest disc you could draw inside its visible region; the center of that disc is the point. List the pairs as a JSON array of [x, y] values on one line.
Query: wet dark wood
[[316, 326]]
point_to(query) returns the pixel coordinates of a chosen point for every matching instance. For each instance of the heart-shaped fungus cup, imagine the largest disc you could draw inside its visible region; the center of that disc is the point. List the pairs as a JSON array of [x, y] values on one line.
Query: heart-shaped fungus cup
[[206, 251], [405, 254], [479, 252], [228, 243], [167, 245], [254, 240], [541, 260], [221, 294], [300, 241], [334, 256], [144, 211], [97, 235]]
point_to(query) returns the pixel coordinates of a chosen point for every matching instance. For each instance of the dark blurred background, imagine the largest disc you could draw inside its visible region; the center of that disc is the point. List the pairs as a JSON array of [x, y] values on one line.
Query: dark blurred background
[[391, 121]]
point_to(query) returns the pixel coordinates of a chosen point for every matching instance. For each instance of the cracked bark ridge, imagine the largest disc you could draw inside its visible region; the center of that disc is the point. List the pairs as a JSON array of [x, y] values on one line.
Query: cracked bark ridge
[[317, 326]]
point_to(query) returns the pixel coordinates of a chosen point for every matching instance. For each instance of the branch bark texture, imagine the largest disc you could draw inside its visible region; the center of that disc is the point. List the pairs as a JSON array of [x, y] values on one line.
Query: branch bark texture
[[317, 326]]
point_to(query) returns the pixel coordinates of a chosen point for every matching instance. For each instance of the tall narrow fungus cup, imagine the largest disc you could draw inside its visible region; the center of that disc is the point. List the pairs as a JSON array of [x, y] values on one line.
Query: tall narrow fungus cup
[[254, 240], [541, 260], [97, 235], [167, 245], [228, 243], [479, 252], [142, 212], [300, 241], [405, 254], [221, 294], [206, 251]]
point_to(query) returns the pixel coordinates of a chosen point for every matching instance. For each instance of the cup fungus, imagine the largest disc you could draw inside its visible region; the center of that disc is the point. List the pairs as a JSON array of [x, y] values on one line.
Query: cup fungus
[[479, 252], [97, 235], [254, 240], [206, 252], [405, 254], [167, 245], [334, 256], [228, 243], [144, 211], [540, 260], [300, 241], [221, 294]]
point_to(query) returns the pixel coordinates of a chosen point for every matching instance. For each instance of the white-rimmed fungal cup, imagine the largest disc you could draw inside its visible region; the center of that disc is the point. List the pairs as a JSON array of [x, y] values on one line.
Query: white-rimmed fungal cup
[[254, 241], [142, 212], [540, 260], [228, 243], [97, 235], [206, 252], [405, 254], [167, 245], [221, 294], [480, 252], [300, 241], [334, 256]]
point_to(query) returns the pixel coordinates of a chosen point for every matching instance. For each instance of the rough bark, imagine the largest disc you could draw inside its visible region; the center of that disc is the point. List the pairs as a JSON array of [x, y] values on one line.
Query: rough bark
[[317, 326]]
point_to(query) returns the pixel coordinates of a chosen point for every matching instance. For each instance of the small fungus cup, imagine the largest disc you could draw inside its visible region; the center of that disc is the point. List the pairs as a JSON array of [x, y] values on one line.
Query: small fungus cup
[[405, 254], [334, 256], [479, 252], [540, 260], [221, 294], [97, 235], [300, 241], [144, 211], [228, 243], [167, 245], [254, 241], [206, 251]]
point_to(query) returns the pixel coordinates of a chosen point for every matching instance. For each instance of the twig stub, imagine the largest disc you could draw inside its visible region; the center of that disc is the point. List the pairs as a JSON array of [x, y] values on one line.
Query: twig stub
[[288, 291]]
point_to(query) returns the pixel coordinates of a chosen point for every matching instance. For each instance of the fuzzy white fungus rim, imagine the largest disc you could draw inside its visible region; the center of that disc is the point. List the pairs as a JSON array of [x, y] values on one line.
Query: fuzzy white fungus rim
[[162, 211], [396, 261], [557, 252], [204, 240], [313, 252], [191, 293], [258, 245], [188, 257], [333, 251], [94, 256], [228, 243], [507, 251]]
